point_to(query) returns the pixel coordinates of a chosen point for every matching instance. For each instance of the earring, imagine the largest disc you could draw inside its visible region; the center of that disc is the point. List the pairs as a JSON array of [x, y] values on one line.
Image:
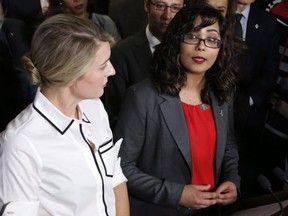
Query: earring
[[60, 3]]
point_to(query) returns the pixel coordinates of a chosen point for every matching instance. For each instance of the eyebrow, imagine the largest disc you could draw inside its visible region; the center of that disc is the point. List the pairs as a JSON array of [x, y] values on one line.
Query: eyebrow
[[105, 62], [174, 4], [213, 30]]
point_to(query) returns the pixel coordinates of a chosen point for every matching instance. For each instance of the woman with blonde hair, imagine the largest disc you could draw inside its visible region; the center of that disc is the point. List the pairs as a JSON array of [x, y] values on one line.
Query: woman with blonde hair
[[57, 157]]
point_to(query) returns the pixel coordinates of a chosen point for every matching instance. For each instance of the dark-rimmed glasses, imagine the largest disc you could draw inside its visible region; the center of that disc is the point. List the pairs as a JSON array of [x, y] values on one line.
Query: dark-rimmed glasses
[[208, 42], [163, 7]]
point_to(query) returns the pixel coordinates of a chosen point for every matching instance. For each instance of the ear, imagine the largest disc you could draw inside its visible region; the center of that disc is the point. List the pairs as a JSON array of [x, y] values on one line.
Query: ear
[[73, 82], [146, 6]]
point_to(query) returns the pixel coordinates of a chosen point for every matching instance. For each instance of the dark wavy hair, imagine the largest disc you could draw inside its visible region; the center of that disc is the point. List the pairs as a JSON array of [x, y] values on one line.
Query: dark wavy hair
[[169, 76]]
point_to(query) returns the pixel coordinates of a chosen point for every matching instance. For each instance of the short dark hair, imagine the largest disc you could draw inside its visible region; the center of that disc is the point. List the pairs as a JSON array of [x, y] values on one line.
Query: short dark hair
[[169, 76]]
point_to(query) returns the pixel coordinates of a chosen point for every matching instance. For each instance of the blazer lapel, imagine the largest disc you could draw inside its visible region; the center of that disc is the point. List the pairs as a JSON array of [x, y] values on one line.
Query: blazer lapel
[[178, 128], [220, 118], [173, 114], [253, 27], [142, 52]]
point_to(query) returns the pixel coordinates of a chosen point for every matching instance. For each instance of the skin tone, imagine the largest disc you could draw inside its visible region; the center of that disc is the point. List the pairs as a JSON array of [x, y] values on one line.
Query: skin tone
[[77, 7], [88, 86], [196, 60], [221, 5], [158, 20], [242, 4], [122, 203]]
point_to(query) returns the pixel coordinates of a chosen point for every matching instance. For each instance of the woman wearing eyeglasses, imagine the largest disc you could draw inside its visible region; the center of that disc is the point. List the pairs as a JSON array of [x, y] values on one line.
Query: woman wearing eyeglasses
[[179, 152]]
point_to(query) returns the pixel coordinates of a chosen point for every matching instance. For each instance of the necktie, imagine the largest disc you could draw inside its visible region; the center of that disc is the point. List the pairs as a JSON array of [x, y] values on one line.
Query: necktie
[[238, 26]]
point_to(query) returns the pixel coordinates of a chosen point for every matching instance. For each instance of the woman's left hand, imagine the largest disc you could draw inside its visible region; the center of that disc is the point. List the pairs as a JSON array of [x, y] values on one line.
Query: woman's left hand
[[227, 193]]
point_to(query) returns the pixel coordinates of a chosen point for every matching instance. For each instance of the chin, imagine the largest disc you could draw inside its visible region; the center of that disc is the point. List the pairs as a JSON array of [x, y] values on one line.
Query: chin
[[100, 94]]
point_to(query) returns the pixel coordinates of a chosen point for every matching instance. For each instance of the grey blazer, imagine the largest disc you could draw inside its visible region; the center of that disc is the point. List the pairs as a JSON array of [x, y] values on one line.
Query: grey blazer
[[155, 153]]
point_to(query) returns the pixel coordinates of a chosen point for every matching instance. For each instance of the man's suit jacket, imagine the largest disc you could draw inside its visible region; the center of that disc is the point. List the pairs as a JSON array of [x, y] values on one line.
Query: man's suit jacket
[[28, 12], [18, 36], [155, 153], [131, 59], [257, 68], [128, 15], [13, 99]]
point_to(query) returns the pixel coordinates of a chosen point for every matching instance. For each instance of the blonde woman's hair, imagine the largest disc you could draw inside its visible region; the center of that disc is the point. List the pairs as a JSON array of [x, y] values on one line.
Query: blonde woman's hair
[[62, 47]]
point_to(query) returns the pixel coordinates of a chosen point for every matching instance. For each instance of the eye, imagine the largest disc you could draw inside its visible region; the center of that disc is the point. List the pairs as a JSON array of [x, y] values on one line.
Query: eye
[[212, 40], [191, 36], [160, 6], [103, 67], [221, 11], [175, 8]]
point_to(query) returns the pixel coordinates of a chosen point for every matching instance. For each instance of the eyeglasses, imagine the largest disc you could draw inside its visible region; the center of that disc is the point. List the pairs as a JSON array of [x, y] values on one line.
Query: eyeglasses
[[208, 42], [163, 7]]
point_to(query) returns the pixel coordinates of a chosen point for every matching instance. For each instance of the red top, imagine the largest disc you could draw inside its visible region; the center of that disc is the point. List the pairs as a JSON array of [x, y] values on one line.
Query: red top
[[202, 132]]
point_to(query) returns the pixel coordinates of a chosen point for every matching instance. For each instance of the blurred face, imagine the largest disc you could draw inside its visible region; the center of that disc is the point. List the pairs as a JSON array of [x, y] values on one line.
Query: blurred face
[[242, 4], [220, 5], [246, 2], [92, 83], [76, 7], [158, 20], [198, 58]]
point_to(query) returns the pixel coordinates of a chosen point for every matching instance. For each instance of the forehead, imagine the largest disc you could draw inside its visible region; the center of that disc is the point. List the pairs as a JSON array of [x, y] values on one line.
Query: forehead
[[171, 2], [213, 27], [218, 3]]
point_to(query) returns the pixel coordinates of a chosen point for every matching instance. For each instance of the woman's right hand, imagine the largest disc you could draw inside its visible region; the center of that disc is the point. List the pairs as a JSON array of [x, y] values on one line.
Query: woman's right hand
[[198, 197]]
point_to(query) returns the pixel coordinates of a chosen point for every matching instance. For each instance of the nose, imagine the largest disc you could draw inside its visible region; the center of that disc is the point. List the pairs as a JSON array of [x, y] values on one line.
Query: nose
[[201, 45], [167, 14], [111, 70]]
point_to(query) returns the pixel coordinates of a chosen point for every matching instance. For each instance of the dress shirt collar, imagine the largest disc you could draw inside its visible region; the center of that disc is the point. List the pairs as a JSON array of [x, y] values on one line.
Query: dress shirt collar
[[153, 41], [245, 12], [244, 20], [54, 116]]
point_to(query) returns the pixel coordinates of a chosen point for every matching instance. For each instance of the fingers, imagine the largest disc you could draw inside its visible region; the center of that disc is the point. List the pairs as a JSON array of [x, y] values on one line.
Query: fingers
[[198, 196], [204, 200], [195, 196], [226, 187], [227, 199], [227, 193]]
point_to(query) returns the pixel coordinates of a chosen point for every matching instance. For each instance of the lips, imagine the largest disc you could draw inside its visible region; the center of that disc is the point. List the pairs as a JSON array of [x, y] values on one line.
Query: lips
[[198, 59], [79, 7], [165, 25], [105, 85]]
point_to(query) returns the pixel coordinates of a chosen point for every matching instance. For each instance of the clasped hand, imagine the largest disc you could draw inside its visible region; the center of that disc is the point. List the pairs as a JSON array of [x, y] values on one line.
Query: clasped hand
[[198, 196]]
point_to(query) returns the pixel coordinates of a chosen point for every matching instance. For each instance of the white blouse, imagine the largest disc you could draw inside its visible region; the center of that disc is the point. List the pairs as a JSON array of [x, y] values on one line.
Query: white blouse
[[46, 163]]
